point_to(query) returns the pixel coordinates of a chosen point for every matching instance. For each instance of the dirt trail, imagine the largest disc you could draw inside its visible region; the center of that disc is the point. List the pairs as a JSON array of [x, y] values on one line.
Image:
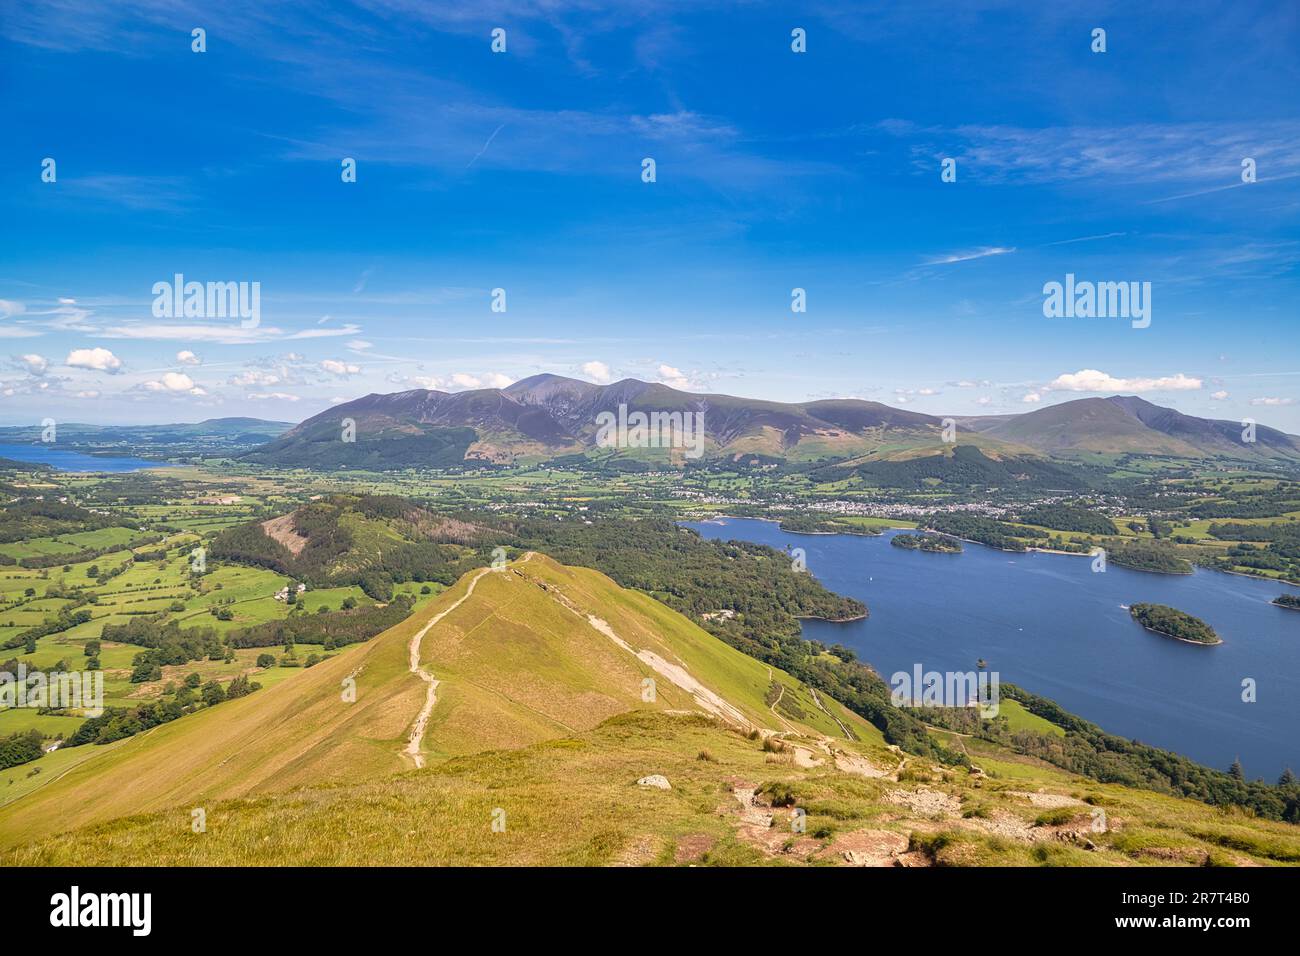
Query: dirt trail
[[705, 698], [417, 732], [848, 735], [780, 697]]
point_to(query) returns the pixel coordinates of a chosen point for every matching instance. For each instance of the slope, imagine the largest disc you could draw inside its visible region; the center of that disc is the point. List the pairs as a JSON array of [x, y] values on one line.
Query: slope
[[527, 657], [1127, 424]]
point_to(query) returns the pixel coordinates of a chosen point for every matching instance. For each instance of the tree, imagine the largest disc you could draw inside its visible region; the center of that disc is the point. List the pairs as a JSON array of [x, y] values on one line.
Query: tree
[[1287, 779], [265, 660], [91, 649], [213, 693], [1236, 771], [192, 681]]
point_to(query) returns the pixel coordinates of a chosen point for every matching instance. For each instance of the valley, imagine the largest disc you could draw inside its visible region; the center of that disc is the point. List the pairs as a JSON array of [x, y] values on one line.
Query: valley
[[496, 618]]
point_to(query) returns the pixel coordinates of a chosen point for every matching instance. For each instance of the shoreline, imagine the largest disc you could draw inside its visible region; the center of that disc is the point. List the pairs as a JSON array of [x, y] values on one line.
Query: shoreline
[[833, 620], [717, 519], [1175, 637]]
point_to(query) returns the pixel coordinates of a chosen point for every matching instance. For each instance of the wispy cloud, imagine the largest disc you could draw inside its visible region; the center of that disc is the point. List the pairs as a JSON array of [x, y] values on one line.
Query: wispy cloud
[[967, 256]]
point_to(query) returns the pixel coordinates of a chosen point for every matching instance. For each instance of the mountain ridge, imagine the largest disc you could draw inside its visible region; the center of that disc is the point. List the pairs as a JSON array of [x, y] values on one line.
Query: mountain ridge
[[547, 416]]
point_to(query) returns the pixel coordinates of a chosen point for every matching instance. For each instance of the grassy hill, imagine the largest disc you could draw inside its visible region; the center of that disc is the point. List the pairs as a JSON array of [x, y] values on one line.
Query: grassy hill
[[539, 720], [518, 662]]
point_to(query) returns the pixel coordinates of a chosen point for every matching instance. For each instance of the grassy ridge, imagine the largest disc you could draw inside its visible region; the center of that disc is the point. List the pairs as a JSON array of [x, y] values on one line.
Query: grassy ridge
[[516, 666]]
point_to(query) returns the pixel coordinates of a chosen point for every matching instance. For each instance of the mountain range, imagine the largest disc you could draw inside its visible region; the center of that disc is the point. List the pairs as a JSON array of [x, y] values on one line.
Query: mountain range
[[546, 417]]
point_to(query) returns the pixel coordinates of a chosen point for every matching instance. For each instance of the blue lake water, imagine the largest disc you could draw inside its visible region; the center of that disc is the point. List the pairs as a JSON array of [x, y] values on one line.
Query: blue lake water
[[65, 459], [1048, 623]]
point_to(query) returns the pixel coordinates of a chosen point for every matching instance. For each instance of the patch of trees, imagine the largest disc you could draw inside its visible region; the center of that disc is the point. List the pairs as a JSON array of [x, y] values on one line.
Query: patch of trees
[[66, 621], [1253, 506], [335, 629], [1088, 750], [20, 748], [967, 466], [117, 722], [1281, 553], [816, 524], [1174, 623], [38, 561], [1288, 600], [374, 450], [434, 549], [166, 643], [1147, 556], [40, 518], [988, 531], [1063, 517]]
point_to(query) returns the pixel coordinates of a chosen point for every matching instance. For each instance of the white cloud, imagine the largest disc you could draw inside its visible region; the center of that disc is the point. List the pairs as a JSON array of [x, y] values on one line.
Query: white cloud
[[186, 357], [219, 334], [174, 382], [673, 377], [598, 372], [983, 400], [1219, 395], [272, 396], [254, 377], [1032, 398], [96, 359], [465, 380], [360, 345], [1272, 401], [497, 380], [341, 369], [88, 393], [36, 364], [1091, 380], [968, 255]]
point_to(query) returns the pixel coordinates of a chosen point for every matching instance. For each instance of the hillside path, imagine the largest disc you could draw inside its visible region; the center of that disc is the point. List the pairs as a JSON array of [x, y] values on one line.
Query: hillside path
[[431, 695]]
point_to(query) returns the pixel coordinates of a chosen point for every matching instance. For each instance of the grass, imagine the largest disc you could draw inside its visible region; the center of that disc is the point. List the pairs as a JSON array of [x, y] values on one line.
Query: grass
[[290, 776], [1020, 719]]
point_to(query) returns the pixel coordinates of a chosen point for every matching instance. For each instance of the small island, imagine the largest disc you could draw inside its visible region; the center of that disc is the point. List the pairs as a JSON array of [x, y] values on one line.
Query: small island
[[1291, 601], [927, 542], [1170, 622]]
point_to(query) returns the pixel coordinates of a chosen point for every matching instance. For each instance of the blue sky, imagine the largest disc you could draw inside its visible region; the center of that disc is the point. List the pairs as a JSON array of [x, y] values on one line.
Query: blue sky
[[522, 171]]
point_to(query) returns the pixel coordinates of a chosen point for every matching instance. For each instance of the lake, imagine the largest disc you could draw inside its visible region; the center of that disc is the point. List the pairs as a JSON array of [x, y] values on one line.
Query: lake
[[65, 459], [1048, 623]]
